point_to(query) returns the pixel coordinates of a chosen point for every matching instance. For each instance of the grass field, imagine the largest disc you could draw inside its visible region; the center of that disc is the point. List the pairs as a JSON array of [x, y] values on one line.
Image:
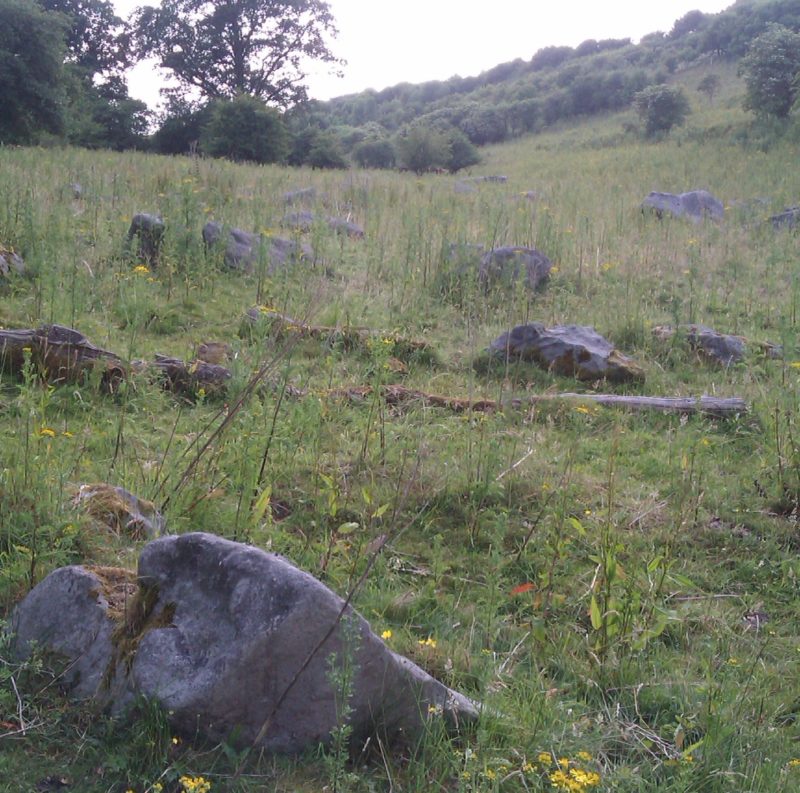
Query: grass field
[[620, 589]]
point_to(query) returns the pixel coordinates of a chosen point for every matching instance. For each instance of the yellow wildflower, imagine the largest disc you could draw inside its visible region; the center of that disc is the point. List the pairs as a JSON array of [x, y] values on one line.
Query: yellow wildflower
[[429, 642], [47, 432], [794, 763], [141, 269], [585, 756], [582, 409], [544, 757], [386, 635]]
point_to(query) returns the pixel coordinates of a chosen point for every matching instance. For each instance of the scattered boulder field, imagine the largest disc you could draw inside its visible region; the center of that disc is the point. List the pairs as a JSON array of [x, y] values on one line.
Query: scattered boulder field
[[234, 643]]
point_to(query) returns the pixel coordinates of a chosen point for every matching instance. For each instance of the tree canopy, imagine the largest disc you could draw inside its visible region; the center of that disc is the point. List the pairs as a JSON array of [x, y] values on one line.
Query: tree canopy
[[771, 71], [661, 107], [223, 48], [96, 38], [31, 52]]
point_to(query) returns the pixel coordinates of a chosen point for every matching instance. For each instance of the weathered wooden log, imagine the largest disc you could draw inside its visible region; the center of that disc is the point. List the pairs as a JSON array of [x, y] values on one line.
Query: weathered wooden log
[[60, 355], [349, 337], [714, 407]]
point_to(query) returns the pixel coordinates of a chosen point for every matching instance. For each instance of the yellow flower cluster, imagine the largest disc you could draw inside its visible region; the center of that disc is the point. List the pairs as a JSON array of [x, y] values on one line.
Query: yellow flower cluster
[[429, 642], [386, 635], [141, 269], [574, 780], [194, 784]]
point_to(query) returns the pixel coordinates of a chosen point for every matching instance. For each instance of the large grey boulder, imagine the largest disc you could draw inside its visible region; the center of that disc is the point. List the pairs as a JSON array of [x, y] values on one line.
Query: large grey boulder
[[228, 639], [243, 249], [569, 350], [696, 205], [148, 231], [503, 266]]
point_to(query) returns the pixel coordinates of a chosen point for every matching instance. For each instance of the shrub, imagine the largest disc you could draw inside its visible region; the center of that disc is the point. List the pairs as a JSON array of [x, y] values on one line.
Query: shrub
[[245, 129], [661, 107]]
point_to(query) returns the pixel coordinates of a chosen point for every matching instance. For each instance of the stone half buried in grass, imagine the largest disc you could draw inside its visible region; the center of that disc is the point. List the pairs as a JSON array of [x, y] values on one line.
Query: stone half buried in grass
[[504, 266], [697, 205], [121, 511], [235, 644], [244, 251], [721, 348], [568, 350]]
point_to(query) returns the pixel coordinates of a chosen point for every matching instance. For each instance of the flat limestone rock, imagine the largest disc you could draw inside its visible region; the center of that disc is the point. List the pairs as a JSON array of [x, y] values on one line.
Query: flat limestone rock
[[569, 350], [231, 641]]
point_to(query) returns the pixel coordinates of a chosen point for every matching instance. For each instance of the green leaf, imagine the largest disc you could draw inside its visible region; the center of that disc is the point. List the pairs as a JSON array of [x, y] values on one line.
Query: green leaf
[[578, 526], [594, 614], [262, 504], [683, 581], [380, 511]]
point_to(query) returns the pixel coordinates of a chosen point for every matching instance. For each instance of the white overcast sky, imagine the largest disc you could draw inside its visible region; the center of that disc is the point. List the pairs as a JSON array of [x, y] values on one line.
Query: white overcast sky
[[391, 41]]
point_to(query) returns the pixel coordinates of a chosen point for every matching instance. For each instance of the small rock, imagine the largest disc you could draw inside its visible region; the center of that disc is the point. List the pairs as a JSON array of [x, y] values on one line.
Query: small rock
[[119, 510], [722, 348], [305, 195], [216, 352], [502, 266], [149, 233], [788, 219], [243, 249], [10, 263]]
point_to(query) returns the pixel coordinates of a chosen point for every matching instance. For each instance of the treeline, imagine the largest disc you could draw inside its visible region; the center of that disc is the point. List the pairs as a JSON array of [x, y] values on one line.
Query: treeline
[[559, 83], [63, 65]]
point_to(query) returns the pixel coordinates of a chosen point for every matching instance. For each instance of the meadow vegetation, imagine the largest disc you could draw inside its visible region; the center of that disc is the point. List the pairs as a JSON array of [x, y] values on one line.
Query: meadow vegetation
[[620, 590]]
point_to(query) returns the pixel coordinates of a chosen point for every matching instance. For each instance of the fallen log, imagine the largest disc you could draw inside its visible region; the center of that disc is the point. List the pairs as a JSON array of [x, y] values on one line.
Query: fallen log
[[348, 337], [58, 354], [714, 407]]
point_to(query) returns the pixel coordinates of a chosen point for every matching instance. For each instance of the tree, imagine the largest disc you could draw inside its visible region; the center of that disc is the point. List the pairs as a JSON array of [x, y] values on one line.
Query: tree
[[771, 70], [462, 152], [661, 107], [180, 126], [224, 48], [245, 129], [422, 148], [97, 39], [374, 153], [31, 56], [326, 151], [709, 86]]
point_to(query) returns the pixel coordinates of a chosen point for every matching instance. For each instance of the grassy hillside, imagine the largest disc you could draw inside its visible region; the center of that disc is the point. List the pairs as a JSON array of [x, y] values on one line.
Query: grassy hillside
[[557, 85], [620, 589]]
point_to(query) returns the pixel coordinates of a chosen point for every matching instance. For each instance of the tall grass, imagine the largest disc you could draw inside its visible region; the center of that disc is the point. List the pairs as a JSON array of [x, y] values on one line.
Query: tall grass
[[590, 575]]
